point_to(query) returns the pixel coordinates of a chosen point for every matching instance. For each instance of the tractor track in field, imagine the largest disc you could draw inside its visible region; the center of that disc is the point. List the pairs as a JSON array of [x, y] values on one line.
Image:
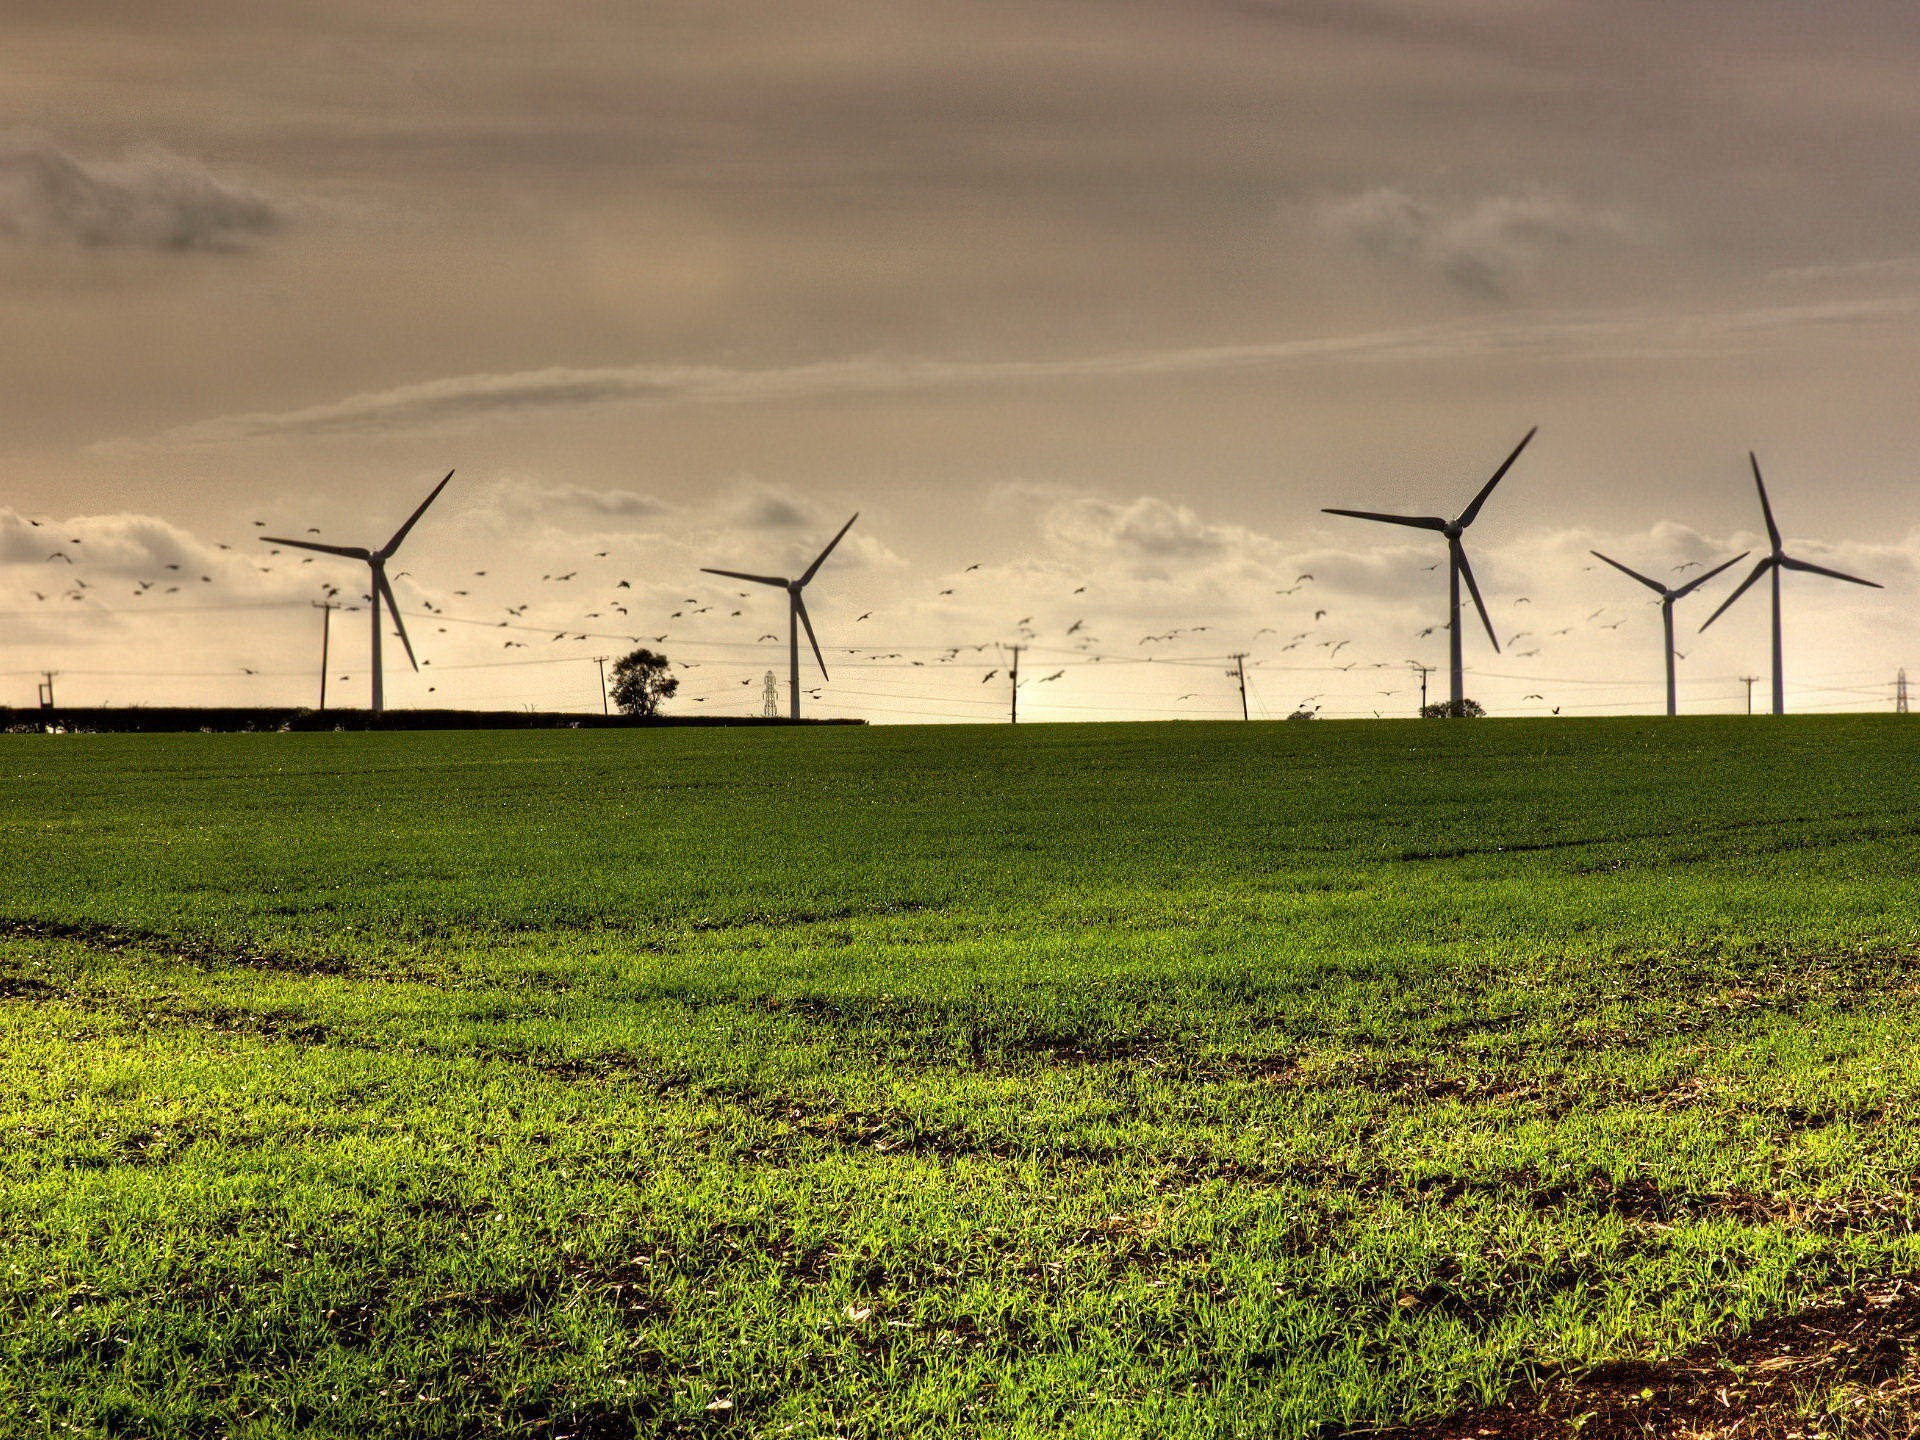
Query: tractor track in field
[[120, 939], [1854, 1355], [1700, 832]]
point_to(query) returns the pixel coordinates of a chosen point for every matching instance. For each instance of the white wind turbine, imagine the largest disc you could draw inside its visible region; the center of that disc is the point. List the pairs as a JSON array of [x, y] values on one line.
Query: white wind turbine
[[377, 563], [1776, 559], [796, 611], [1457, 567]]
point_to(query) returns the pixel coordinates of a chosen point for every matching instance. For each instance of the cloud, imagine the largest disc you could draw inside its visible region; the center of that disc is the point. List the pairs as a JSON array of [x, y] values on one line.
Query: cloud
[[559, 503], [468, 399], [1481, 246], [115, 545], [150, 199], [1145, 529], [758, 506]]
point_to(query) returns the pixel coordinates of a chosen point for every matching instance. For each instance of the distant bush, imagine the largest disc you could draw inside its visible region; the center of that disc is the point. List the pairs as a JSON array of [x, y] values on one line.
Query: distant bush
[[1445, 710], [1304, 715]]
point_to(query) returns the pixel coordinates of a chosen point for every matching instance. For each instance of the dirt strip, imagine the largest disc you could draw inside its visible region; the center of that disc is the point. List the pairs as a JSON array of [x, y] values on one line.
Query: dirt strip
[[1849, 1367]]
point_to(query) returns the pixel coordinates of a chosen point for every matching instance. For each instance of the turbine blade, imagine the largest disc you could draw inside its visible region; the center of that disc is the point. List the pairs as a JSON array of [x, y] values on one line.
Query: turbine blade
[[1812, 569], [800, 607], [393, 608], [1650, 584], [401, 533], [1765, 564], [1466, 516], [1701, 579], [821, 559], [352, 552], [1766, 509], [742, 575], [1418, 522], [1473, 589]]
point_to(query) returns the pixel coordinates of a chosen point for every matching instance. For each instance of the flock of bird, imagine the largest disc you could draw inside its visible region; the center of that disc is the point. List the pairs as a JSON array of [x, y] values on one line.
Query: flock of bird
[[612, 607]]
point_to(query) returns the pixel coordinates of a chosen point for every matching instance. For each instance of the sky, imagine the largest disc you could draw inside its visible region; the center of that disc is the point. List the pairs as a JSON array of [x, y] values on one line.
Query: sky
[[1087, 307]]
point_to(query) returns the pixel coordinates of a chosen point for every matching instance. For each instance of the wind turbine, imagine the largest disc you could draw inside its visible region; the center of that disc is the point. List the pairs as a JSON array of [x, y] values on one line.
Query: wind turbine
[[1457, 566], [1667, 596], [377, 563], [1777, 560], [796, 611]]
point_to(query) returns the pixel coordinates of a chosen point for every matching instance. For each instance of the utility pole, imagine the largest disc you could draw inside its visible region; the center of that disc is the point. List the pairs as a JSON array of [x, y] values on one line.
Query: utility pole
[[326, 609], [601, 661], [1425, 670], [1013, 690], [1900, 692], [1240, 670], [1749, 679], [46, 689]]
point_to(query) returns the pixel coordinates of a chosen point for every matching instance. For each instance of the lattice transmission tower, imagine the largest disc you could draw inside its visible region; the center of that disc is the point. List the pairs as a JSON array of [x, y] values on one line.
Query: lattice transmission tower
[[770, 697]]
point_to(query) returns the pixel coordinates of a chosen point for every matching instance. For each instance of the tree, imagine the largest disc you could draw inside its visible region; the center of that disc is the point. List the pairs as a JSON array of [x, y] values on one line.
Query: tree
[[641, 682], [1304, 715], [1443, 710]]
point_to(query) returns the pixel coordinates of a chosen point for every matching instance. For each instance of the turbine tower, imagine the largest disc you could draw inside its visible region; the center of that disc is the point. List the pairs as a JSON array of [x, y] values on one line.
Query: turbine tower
[[376, 561], [1667, 596], [1457, 566], [796, 611], [1777, 560]]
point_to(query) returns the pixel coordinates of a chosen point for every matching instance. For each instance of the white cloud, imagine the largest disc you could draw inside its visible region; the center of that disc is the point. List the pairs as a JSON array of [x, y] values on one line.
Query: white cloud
[[150, 199]]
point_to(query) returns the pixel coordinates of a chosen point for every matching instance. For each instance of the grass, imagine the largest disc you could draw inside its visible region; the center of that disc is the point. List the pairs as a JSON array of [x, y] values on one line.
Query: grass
[[1190, 1079]]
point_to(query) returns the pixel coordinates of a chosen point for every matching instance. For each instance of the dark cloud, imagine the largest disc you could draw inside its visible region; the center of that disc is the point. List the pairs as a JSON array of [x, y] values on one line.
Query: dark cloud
[[767, 507], [1483, 246], [564, 502], [1146, 528], [150, 199]]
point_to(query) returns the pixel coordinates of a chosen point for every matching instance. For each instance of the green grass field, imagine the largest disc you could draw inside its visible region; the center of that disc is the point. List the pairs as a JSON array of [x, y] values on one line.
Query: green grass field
[[1100, 1080]]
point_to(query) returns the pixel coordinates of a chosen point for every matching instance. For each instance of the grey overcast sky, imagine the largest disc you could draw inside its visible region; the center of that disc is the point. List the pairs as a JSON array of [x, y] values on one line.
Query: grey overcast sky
[[1105, 297]]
